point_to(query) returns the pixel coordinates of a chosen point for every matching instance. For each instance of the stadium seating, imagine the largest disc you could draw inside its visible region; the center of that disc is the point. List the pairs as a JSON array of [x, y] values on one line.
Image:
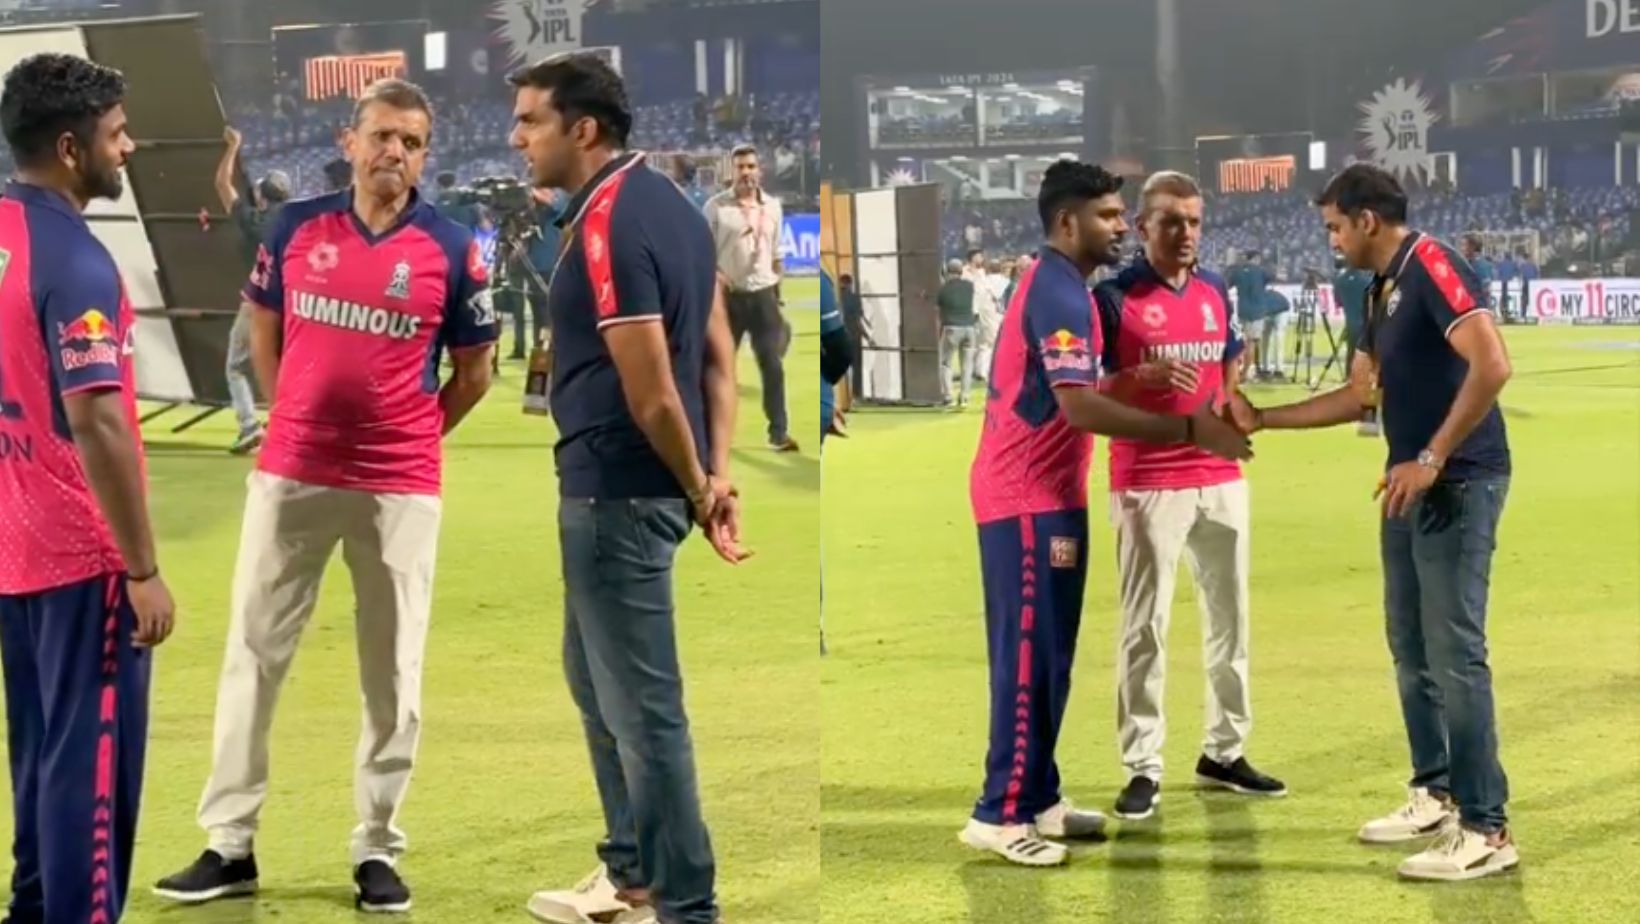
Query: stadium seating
[[1284, 227]]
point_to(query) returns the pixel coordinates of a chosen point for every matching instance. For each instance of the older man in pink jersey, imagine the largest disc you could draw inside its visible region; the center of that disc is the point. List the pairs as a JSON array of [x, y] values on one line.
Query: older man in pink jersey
[[357, 297], [1170, 340]]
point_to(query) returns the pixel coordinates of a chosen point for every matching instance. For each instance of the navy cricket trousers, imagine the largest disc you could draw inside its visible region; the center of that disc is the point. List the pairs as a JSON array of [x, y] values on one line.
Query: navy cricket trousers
[[77, 726], [1035, 569]]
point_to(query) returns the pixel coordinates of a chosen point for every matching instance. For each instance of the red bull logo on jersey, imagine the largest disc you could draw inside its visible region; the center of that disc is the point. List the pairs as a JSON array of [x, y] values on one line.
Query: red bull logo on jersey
[[365, 319], [1064, 350], [88, 340]]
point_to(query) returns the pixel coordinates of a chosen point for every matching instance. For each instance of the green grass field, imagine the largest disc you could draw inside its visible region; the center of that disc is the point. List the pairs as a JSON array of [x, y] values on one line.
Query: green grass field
[[904, 696], [503, 802]]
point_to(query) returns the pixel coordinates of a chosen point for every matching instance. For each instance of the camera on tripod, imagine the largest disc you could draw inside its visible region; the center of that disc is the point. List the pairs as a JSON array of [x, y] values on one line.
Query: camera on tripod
[[506, 199]]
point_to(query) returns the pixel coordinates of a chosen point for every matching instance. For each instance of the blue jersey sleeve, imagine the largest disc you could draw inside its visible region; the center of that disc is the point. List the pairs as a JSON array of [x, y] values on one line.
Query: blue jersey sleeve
[[469, 311], [266, 287], [1107, 299], [1060, 329], [79, 297]]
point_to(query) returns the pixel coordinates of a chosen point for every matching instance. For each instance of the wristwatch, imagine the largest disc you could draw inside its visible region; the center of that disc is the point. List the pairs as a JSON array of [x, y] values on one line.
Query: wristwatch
[[1428, 459]]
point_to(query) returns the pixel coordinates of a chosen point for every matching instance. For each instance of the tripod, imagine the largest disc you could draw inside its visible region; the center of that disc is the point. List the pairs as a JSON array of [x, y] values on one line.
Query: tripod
[[1335, 349], [511, 254]]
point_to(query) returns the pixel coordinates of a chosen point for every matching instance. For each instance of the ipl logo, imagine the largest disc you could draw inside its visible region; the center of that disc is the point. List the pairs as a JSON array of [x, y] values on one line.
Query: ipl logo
[[536, 29], [1396, 122]]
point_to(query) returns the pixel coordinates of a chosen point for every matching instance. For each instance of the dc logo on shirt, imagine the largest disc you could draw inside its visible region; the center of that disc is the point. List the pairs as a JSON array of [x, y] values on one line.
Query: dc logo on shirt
[[483, 308], [400, 286]]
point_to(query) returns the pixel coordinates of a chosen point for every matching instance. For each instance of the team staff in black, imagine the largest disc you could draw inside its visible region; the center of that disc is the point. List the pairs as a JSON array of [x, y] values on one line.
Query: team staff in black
[[1432, 351], [643, 393]]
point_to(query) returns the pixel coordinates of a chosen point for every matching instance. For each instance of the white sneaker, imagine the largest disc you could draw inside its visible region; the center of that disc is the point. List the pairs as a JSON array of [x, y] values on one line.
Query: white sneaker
[[1422, 816], [1065, 820], [1459, 854], [1015, 843], [594, 900]]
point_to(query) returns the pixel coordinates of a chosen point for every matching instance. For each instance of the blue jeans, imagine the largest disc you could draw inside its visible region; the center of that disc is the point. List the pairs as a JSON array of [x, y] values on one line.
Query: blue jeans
[[1435, 588], [621, 660], [239, 372]]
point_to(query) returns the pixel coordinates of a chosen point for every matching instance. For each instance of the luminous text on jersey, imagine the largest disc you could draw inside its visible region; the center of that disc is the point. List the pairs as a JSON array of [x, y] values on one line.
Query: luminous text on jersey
[[1206, 351], [356, 317]]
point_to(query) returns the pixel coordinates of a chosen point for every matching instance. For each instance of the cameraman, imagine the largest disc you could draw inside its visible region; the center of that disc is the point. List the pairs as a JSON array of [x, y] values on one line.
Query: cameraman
[[549, 207]]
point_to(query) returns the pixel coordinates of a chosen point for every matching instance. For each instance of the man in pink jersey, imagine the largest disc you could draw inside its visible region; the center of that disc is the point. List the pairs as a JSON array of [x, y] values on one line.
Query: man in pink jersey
[[81, 598], [1172, 345], [357, 297], [1029, 489]]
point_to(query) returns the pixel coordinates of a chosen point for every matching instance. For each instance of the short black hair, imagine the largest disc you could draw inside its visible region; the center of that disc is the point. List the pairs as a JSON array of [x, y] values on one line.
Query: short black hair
[[1070, 182], [446, 179], [845, 278], [1365, 188], [583, 86], [972, 252], [741, 150], [400, 94], [48, 94]]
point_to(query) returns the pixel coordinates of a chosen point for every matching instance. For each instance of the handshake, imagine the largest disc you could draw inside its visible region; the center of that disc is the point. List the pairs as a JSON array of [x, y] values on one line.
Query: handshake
[[1220, 428]]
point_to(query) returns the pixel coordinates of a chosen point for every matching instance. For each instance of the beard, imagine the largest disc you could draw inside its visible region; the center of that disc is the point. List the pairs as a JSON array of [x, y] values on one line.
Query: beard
[[102, 181]]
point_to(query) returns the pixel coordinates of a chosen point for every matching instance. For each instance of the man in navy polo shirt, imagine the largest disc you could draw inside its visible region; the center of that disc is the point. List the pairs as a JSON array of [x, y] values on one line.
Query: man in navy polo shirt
[[643, 394], [1432, 350]]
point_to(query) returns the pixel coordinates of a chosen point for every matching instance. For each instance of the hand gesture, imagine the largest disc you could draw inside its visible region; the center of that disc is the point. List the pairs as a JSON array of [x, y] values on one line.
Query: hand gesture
[[155, 611], [1163, 374], [1402, 486], [1218, 437], [722, 526], [232, 136]]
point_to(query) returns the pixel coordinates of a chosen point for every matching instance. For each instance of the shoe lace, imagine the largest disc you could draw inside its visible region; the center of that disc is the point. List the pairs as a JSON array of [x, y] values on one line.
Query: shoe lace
[[1450, 841], [589, 883], [1420, 803]]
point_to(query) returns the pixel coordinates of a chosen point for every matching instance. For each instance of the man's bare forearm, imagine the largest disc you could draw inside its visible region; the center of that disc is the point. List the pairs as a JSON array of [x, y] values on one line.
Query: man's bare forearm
[[722, 396], [1096, 413], [108, 450], [465, 389], [266, 336], [665, 424], [721, 404], [1339, 406], [1476, 396]]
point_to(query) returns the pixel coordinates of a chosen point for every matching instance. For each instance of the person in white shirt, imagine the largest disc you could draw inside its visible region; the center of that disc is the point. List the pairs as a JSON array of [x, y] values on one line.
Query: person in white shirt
[[988, 309], [746, 224]]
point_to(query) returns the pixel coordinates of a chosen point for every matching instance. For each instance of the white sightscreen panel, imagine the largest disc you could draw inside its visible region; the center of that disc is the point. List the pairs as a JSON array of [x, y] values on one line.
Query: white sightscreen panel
[[160, 373], [876, 248], [128, 242]]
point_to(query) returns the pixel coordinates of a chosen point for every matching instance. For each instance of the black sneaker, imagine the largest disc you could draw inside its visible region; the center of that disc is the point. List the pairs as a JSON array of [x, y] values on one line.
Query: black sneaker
[[783, 444], [1138, 799], [210, 877], [1238, 777], [379, 888]]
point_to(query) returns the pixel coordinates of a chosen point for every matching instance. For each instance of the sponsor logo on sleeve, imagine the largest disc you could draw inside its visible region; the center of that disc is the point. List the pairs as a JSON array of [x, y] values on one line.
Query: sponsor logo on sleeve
[[476, 267], [262, 272], [1064, 350], [482, 305], [88, 341]]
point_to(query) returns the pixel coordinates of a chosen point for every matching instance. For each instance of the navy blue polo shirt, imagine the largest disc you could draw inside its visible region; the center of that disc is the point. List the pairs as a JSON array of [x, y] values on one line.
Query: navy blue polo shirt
[[640, 252], [1428, 291]]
